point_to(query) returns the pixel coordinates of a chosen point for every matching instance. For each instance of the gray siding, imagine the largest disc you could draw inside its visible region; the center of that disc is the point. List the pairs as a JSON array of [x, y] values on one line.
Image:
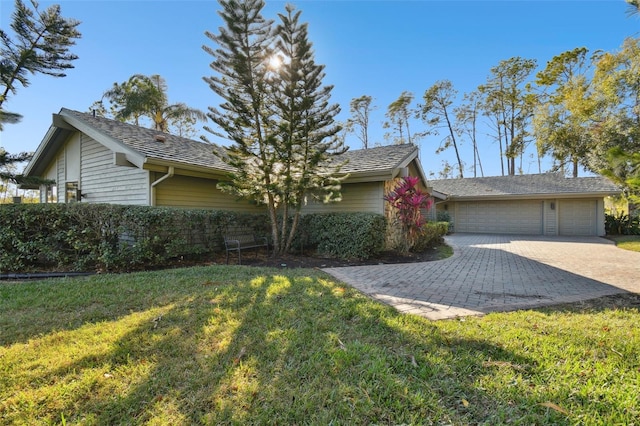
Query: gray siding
[[191, 192], [356, 197], [60, 180], [551, 217], [101, 181]]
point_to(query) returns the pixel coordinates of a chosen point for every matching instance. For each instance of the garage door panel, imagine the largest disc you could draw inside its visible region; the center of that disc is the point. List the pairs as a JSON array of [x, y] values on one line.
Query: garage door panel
[[505, 217], [577, 217]]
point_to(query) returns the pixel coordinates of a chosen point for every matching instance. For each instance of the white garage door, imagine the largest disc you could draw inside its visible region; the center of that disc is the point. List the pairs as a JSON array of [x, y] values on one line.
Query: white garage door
[[499, 217], [577, 217]]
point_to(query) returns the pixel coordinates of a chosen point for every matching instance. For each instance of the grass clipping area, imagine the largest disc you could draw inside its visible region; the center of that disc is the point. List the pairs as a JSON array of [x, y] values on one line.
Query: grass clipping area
[[238, 345]]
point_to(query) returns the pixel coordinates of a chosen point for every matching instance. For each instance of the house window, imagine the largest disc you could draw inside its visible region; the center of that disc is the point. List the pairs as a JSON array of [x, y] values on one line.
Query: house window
[[48, 194], [51, 194], [71, 192]]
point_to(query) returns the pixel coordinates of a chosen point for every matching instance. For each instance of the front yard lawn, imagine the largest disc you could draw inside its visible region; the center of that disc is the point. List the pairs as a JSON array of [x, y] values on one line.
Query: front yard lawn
[[239, 345], [626, 242]]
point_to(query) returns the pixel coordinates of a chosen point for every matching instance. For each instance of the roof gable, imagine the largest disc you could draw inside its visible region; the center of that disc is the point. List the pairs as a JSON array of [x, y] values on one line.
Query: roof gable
[[144, 141], [380, 163], [547, 184]]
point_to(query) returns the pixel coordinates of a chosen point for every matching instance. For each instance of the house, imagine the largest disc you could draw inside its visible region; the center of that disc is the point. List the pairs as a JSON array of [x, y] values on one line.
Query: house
[[541, 204], [98, 160]]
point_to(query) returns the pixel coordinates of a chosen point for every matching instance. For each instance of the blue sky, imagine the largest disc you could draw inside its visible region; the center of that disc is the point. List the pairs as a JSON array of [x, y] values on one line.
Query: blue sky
[[376, 48]]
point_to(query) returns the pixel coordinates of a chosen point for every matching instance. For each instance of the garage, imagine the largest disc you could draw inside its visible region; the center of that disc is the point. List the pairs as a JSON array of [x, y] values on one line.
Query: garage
[[578, 217], [499, 217], [542, 204]]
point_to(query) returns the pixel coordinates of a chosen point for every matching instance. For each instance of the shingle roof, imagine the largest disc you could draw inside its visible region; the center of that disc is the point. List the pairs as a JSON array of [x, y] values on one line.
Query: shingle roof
[[190, 152], [523, 185], [379, 158], [143, 140]]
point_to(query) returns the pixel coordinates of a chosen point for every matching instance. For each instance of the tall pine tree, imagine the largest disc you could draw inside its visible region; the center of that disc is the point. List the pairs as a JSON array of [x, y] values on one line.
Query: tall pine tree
[[276, 113], [306, 122], [243, 46]]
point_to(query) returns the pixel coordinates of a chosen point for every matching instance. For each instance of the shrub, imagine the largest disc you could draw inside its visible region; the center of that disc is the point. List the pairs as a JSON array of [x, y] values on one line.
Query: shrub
[[343, 235], [622, 224], [444, 216], [408, 199], [431, 234], [108, 237]]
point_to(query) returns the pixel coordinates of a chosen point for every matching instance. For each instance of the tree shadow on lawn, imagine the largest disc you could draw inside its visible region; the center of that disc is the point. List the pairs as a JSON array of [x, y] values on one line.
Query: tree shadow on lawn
[[276, 350]]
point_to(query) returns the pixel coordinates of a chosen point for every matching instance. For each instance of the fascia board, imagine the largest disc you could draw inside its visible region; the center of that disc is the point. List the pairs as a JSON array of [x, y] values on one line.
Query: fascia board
[[421, 172], [412, 157], [185, 169], [45, 150], [543, 196], [373, 176]]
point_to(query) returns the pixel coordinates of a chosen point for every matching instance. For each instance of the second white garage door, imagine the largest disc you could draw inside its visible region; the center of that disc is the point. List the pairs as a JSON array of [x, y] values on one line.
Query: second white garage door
[[500, 217], [578, 217]]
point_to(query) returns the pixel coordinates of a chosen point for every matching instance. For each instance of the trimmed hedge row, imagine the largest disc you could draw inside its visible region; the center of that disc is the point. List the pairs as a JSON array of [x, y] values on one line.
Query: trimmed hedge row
[[81, 237], [344, 235], [106, 237]]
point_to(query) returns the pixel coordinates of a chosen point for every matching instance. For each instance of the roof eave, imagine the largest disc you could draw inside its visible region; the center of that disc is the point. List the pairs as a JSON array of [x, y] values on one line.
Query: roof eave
[[413, 157], [45, 150], [370, 176], [539, 196], [202, 171]]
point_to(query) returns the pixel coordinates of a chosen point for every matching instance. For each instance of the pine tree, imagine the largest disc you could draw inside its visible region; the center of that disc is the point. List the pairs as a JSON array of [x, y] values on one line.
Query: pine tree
[[276, 113], [243, 46], [360, 109], [40, 45], [306, 123]]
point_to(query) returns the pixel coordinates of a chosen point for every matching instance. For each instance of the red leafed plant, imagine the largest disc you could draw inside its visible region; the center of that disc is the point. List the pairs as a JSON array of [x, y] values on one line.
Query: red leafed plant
[[408, 200]]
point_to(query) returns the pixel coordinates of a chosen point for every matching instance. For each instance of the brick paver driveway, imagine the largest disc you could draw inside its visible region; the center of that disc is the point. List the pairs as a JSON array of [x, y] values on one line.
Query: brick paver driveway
[[499, 273]]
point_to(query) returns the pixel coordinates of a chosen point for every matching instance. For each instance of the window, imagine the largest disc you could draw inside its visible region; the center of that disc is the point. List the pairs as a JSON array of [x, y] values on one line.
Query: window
[[51, 194], [71, 192]]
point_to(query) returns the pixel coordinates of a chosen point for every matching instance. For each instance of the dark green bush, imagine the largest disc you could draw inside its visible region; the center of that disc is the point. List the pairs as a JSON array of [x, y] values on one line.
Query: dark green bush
[[621, 224], [106, 237], [431, 234], [444, 216], [81, 237], [343, 235]]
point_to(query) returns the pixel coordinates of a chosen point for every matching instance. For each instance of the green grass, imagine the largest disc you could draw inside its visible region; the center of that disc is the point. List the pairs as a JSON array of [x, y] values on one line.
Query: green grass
[[239, 345], [444, 251], [627, 242]]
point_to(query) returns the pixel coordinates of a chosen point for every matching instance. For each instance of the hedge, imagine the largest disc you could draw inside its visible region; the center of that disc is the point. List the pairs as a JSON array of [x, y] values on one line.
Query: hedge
[[344, 235], [106, 237]]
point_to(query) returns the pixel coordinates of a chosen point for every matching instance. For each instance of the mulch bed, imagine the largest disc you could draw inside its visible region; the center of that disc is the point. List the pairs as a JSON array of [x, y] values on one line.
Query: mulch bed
[[253, 258]]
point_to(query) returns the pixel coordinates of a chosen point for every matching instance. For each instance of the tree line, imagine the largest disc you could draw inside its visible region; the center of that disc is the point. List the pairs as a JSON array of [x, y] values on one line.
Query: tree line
[[580, 109]]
